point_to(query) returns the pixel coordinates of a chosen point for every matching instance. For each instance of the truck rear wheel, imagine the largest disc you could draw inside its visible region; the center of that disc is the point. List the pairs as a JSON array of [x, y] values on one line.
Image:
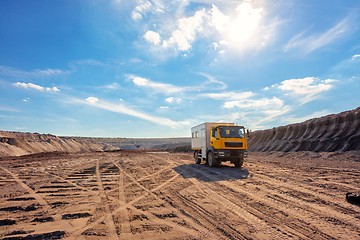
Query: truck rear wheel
[[197, 159], [211, 160], [239, 162]]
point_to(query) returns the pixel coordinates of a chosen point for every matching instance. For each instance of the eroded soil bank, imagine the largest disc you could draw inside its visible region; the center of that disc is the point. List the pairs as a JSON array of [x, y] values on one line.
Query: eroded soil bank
[[19, 143], [336, 132]]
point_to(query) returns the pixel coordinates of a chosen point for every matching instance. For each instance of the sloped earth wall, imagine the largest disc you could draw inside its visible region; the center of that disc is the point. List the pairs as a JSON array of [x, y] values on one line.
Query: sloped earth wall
[[17, 144], [336, 132]]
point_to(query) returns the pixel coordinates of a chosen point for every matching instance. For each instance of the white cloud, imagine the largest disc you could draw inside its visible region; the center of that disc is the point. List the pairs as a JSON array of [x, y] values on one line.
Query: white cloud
[[355, 57], [156, 86], [53, 89], [141, 9], [113, 86], [308, 44], [254, 113], [308, 88], [48, 72], [185, 34], [228, 95], [124, 109], [8, 109], [260, 113], [242, 28], [271, 114], [218, 19], [136, 15], [262, 103], [92, 100], [36, 87], [152, 37], [90, 62], [349, 67], [172, 100], [212, 83], [145, 6]]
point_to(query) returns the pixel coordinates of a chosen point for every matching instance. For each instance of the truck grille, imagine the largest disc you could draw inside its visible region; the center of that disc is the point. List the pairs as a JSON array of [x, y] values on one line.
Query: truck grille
[[233, 144]]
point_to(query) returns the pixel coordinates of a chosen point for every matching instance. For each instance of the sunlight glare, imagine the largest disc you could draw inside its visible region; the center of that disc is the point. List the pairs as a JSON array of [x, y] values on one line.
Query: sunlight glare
[[240, 31]]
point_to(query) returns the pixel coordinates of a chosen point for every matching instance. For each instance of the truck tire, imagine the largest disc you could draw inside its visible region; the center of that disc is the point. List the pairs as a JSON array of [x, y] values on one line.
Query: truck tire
[[211, 160], [197, 159], [239, 162]]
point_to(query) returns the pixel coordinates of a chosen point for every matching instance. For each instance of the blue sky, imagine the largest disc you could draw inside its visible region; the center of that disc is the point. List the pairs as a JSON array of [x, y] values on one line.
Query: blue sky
[[155, 68]]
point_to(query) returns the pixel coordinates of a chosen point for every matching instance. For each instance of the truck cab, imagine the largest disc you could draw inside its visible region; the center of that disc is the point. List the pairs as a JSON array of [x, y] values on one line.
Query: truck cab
[[219, 142]]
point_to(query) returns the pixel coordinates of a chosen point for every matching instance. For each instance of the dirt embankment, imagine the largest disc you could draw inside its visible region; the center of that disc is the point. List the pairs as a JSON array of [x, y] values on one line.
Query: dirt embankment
[[17, 144], [336, 132]]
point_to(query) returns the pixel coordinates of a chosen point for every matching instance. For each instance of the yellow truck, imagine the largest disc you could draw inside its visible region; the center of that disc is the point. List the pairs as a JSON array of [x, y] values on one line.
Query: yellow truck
[[219, 142]]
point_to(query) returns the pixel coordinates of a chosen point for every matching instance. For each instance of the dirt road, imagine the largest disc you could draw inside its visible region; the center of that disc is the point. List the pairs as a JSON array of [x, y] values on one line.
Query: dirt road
[[128, 195]]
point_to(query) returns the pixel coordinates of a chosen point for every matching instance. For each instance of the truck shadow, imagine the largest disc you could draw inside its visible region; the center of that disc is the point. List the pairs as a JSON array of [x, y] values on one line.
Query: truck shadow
[[205, 173]]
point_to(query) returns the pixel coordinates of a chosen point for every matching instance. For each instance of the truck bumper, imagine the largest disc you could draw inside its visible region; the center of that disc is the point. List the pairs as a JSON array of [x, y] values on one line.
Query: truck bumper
[[229, 155]]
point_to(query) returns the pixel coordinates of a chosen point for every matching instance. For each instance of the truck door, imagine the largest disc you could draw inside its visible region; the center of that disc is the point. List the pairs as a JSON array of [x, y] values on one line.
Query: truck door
[[215, 138]]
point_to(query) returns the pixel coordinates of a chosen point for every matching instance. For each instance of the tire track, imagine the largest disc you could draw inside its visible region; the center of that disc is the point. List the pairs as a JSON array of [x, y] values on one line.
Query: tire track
[[313, 194], [124, 214], [255, 213], [301, 228], [241, 210], [151, 192], [78, 232], [213, 223], [32, 193], [154, 173], [227, 231], [151, 216], [69, 182], [108, 215]]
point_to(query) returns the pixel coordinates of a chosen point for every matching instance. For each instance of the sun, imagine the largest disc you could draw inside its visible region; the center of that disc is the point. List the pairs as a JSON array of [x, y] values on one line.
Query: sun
[[243, 29]]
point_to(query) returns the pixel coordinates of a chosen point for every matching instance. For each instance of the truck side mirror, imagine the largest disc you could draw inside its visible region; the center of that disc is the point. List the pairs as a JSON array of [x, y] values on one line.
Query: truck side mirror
[[248, 133]]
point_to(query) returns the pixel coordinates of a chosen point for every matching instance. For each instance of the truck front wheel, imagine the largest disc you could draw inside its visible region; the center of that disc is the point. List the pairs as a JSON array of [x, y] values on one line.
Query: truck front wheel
[[211, 160], [239, 162]]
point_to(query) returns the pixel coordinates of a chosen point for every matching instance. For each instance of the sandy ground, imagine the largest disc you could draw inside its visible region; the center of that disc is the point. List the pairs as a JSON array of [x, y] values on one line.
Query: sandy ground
[[128, 195]]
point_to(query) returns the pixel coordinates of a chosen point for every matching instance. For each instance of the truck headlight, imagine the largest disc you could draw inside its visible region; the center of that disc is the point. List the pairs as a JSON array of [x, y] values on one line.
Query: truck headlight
[[221, 154]]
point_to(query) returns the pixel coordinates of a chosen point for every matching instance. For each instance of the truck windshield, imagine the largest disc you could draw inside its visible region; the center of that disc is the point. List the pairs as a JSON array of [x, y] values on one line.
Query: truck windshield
[[232, 132]]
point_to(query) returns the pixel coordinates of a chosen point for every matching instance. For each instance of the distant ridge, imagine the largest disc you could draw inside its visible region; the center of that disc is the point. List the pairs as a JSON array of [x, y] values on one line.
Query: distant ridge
[[335, 132]]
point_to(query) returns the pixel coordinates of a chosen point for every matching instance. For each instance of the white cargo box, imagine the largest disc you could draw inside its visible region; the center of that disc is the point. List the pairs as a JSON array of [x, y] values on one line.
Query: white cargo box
[[200, 134]]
